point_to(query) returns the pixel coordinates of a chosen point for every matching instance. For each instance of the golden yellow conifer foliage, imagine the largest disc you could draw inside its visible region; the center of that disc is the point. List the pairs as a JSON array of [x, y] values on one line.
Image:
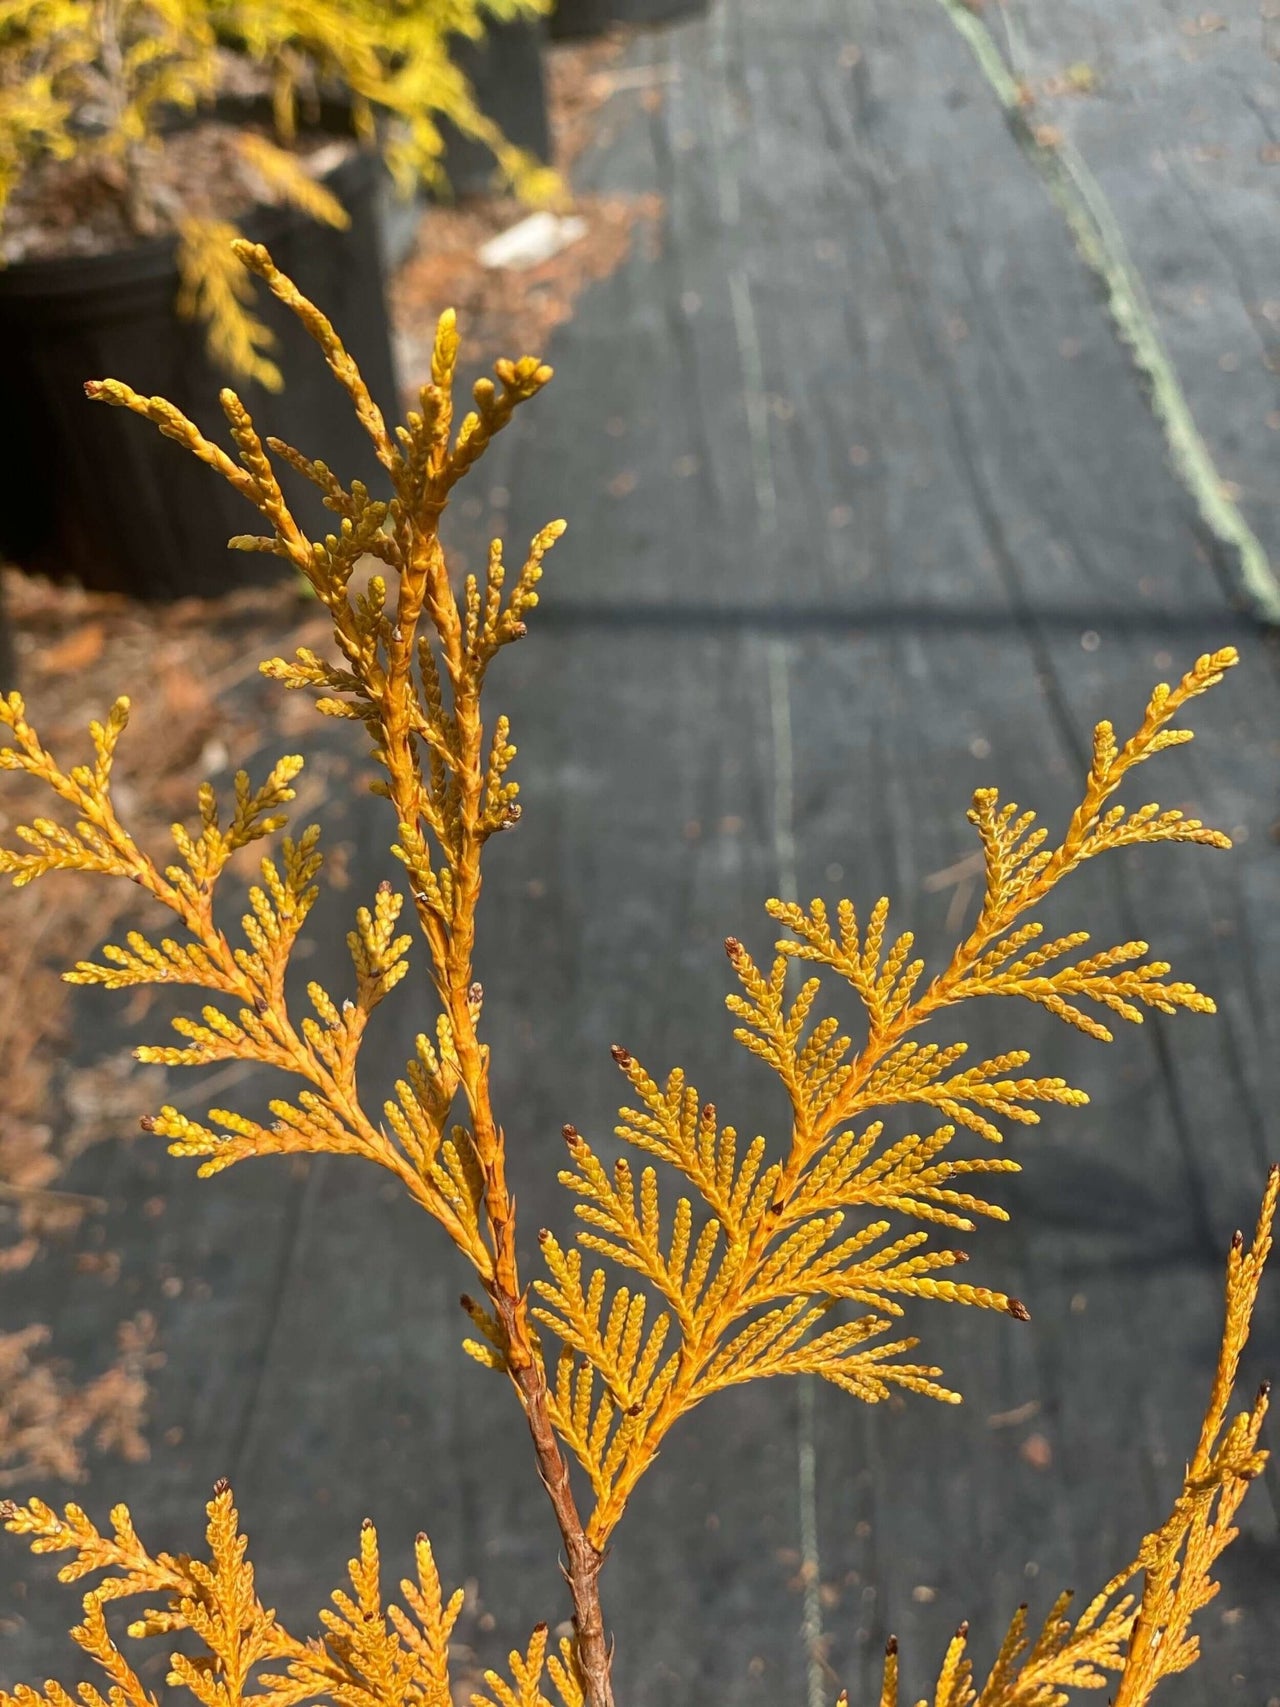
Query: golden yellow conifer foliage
[[751, 1271], [102, 81]]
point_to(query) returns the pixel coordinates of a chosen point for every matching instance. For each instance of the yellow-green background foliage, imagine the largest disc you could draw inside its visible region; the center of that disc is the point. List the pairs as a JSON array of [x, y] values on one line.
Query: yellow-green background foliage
[[97, 81]]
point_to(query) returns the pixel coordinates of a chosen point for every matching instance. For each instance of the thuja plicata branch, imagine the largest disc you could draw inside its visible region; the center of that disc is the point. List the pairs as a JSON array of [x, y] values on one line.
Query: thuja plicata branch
[[774, 1259]]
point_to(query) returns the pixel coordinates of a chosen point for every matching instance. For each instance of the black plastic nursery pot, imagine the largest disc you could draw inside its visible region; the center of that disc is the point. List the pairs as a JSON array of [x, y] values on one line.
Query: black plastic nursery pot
[[572, 19], [94, 493], [8, 673], [505, 70]]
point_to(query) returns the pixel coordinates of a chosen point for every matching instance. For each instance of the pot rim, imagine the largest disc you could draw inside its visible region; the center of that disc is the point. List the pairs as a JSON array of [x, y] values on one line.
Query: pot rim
[[154, 259]]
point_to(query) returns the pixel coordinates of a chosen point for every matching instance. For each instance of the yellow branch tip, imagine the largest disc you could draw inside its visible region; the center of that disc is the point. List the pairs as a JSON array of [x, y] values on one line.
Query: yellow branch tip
[[255, 256]]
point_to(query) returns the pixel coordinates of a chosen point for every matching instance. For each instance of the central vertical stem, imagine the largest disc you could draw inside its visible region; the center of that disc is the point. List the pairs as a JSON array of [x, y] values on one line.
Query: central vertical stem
[[583, 1561]]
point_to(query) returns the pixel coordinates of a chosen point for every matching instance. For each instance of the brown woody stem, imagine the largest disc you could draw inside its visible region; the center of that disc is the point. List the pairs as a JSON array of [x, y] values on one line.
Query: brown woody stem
[[583, 1561], [425, 583]]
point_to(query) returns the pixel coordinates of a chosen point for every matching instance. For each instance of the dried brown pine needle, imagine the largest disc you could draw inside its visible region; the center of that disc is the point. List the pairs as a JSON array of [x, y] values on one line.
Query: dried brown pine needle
[[45, 1421]]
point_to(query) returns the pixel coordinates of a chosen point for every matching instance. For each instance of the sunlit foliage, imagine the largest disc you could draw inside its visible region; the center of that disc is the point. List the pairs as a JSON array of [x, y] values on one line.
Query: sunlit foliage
[[797, 1253]]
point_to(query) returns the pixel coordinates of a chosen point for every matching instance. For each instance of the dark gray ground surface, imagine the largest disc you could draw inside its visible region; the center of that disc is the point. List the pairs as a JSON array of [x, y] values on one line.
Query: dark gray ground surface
[[867, 509]]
